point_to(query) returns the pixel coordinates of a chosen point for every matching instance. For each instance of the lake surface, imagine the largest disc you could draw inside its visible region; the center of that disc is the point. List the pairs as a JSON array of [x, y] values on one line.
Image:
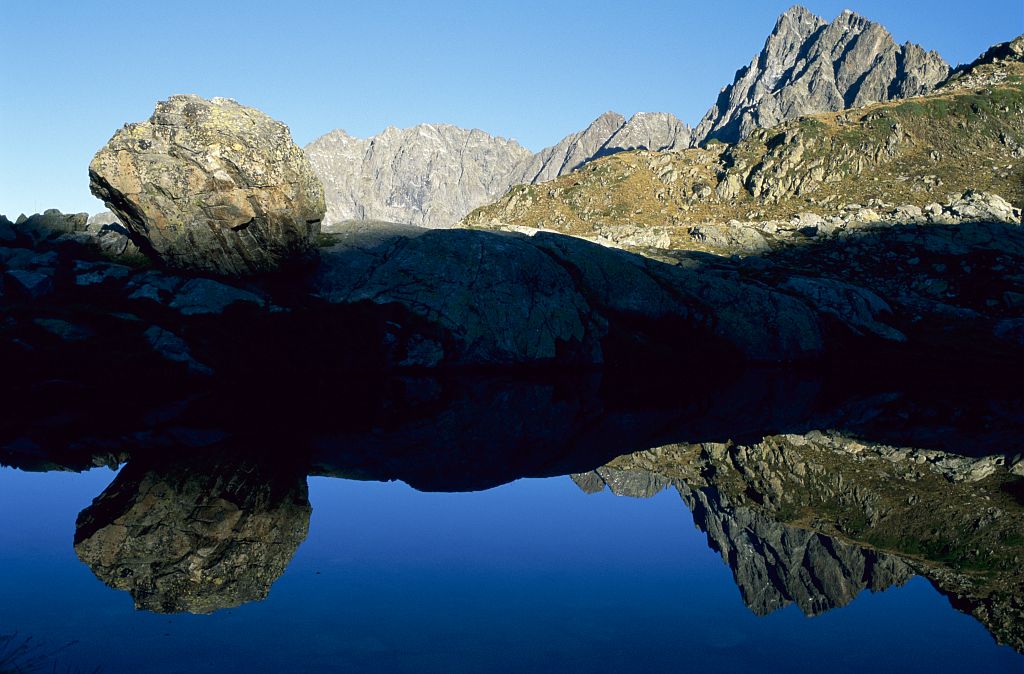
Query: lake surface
[[521, 550]]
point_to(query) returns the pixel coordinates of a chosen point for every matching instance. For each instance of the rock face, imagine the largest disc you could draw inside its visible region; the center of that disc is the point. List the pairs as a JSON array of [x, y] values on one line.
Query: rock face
[[210, 185], [569, 153], [655, 131], [194, 535], [505, 299], [433, 175], [429, 175], [808, 65], [502, 300], [608, 134]]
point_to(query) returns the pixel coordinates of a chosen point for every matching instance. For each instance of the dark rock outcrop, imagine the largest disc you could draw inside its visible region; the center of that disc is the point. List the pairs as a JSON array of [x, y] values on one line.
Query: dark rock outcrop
[[507, 299], [210, 185]]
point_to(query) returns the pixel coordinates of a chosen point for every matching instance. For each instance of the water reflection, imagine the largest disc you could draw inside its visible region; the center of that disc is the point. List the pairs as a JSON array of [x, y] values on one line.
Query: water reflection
[[773, 564], [815, 519], [195, 533], [207, 515]]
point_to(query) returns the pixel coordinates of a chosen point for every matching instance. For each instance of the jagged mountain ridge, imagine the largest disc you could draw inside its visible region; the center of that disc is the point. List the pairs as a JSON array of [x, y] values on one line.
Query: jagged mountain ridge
[[966, 135], [808, 66], [433, 175]]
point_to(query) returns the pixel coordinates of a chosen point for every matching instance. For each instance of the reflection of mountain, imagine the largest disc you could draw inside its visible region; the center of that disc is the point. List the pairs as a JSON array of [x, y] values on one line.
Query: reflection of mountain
[[802, 516], [774, 564], [816, 518], [195, 534]]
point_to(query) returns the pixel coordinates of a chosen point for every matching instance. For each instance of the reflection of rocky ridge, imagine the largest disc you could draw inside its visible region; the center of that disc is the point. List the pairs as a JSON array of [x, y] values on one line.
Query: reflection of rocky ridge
[[195, 534], [815, 518], [802, 516], [773, 564]]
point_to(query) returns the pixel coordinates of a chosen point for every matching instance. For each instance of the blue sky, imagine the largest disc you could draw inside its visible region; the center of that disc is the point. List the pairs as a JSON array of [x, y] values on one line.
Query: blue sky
[[73, 72]]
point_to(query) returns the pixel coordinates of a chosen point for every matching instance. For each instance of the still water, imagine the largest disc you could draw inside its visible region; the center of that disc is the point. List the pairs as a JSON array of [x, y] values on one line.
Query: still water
[[768, 522], [532, 575]]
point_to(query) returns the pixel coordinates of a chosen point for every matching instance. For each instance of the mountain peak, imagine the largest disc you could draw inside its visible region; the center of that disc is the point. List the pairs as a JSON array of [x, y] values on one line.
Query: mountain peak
[[799, 14], [808, 66]]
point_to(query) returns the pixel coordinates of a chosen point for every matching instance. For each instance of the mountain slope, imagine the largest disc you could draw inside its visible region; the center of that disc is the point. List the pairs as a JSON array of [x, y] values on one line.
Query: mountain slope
[[968, 135], [433, 175], [608, 134], [427, 175], [808, 65]]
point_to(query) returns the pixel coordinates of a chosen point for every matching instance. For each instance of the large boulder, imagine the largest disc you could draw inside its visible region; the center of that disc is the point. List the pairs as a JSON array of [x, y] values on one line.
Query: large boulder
[[210, 185]]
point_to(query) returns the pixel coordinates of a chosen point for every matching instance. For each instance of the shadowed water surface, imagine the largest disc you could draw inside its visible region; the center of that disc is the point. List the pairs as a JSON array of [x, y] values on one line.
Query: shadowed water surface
[[490, 524]]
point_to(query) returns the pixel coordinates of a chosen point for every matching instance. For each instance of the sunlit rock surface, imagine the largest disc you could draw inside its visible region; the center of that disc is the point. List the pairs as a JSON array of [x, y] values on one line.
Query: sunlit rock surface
[[210, 185]]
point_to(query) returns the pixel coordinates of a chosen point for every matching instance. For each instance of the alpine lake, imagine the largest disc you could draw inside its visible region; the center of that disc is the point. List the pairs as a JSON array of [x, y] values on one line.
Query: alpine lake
[[764, 521]]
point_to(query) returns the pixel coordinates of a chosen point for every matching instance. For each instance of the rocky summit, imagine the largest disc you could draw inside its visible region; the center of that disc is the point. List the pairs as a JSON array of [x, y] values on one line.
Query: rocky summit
[[432, 175], [809, 65], [906, 159], [210, 185]]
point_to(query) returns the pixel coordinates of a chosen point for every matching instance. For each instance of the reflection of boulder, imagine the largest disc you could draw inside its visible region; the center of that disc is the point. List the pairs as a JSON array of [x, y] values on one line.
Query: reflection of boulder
[[195, 535], [773, 564]]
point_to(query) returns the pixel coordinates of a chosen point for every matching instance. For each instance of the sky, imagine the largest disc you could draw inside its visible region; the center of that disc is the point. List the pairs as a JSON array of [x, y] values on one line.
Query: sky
[[72, 72]]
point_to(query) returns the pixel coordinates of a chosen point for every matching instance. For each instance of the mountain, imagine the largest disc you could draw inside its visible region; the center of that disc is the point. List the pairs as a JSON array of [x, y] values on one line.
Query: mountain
[[428, 175], [966, 135], [809, 66], [433, 175], [608, 134]]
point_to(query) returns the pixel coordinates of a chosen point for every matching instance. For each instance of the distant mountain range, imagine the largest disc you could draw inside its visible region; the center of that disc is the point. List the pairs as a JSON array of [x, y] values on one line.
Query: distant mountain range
[[433, 175]]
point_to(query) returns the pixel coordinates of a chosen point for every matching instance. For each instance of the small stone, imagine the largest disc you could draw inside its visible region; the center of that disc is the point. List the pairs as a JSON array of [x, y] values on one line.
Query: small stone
[[98, 273], [69, 332], [1013, 300]]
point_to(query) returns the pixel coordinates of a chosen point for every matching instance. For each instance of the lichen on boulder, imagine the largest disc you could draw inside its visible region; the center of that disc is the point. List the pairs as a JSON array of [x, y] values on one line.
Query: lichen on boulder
[[210, 185]]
